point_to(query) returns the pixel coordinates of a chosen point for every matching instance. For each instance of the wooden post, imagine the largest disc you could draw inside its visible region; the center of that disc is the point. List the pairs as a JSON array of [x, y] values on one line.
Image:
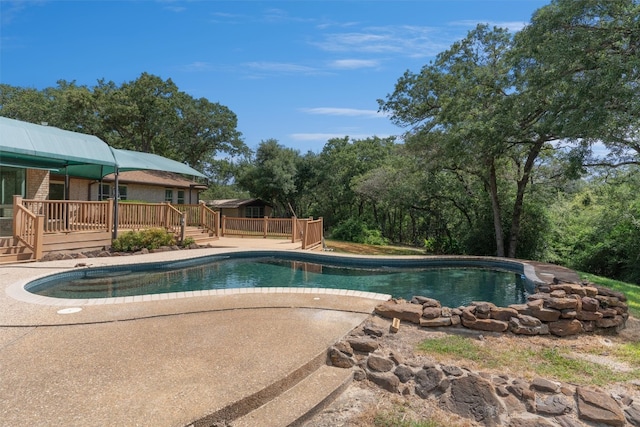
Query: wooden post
[[110, 224], [304, 234], [202, 207], [183, 224], [224, 224], [38, 236], [17, 201], [294, 221], [217, 222], [266, 226]]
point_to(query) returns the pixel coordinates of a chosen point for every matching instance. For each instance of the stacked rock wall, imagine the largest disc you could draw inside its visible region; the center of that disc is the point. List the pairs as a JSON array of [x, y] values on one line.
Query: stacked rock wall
[[485, 398], [559, 309]]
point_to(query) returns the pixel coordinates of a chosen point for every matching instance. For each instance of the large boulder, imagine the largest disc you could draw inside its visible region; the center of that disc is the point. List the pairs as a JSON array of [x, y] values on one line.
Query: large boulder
[[488, 325], [563, 328], [400, 309], [427, 380], [599, 407], [475, 398]]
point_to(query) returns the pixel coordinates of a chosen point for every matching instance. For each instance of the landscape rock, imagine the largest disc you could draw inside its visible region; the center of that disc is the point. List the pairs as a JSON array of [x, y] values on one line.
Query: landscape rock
[[404, 373], [563, 328], [339, 359], [475, 398], [633, 415], [400, 309], [386, 380], [504, 314], [431, 312], [425, 302], [489, 325], [364, 345], [427, 380], [545, 386], [553, 405], [599, 407], [436, 323], [530, 422], [379, 364]]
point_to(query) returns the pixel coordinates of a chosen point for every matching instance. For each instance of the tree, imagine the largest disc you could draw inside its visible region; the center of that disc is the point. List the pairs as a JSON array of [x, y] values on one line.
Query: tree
[[271, 175], [148, 114], [462, 112], [582, 60]]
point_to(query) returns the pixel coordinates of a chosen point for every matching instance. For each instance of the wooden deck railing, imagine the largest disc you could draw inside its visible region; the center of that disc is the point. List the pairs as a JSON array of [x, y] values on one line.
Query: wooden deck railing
[[65, 216], [138, 216], [312, 235], [201, 215], [263, 227], [34, 218], [28, 227]]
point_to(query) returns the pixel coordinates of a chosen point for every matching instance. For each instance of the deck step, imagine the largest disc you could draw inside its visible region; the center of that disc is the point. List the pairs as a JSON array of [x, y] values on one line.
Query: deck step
[[301, 402]]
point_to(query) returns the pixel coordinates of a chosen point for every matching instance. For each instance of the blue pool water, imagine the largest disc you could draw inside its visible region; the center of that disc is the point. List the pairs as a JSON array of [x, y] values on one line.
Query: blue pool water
[[452, 283]]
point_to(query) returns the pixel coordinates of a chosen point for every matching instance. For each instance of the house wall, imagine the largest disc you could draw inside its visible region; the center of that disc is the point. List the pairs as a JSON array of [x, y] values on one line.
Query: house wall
[[37, 184]]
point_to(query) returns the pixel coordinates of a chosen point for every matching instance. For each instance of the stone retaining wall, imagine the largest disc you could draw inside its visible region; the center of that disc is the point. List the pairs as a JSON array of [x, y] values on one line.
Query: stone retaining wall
[[559, 309], [487, 399]]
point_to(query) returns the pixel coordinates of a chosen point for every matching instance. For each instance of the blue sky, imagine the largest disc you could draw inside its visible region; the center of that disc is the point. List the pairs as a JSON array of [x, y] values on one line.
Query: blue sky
[[300, 72]]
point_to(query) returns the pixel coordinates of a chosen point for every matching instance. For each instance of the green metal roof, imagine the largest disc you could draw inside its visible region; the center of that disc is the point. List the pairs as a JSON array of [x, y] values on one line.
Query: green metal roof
[[29, 145]]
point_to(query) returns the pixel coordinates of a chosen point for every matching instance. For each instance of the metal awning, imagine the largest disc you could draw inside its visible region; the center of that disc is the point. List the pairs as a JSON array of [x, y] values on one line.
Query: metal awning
[[76, 154], [44, 147]]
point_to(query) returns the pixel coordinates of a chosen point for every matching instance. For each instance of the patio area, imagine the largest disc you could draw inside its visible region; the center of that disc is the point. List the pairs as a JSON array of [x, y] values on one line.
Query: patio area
[[175, 360]]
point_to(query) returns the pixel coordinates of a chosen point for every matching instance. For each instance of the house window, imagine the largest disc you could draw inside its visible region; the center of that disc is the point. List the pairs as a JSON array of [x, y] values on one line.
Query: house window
[[168, 195], [181, 197], [105, 192], [56, 190], [254, 211]]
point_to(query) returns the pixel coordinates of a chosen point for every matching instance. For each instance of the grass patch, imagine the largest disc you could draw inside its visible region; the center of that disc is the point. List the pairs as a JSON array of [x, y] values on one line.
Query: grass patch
[[555, 363], [386, 419], [630, 290], [628, 353], [364, 249], [455, 346]]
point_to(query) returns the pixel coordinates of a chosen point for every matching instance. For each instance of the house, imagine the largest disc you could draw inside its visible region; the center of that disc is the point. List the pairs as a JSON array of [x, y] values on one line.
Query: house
[[42, 162], [241, 208], [145, 186]]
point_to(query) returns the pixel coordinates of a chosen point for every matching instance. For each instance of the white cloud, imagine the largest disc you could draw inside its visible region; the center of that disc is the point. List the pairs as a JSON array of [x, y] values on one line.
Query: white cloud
[[280, 67], [352, 64], [197, 66], [345, 112]]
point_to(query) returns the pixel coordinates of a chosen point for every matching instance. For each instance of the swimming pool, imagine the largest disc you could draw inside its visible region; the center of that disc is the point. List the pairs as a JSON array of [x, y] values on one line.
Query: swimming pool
[[453, 281]]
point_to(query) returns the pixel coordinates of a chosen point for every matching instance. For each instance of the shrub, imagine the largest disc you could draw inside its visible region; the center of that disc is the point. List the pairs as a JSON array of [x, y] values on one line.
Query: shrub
[[355, 230], [152, 238]]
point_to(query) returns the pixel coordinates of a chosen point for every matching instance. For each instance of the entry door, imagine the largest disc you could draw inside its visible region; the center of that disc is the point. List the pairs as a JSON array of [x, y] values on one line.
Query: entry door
[[12, 183]]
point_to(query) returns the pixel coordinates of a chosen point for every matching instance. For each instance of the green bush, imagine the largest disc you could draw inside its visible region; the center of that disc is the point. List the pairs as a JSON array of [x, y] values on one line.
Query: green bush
[[152, 238], [355, 230]]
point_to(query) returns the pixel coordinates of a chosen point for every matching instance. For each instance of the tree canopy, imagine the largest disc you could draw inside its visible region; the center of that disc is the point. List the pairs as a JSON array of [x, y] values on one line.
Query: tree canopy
[[148, 114]]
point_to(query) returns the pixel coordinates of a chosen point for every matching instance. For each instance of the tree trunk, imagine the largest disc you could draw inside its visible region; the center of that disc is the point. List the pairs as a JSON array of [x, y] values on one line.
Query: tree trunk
[[516, 218], [495, 207]]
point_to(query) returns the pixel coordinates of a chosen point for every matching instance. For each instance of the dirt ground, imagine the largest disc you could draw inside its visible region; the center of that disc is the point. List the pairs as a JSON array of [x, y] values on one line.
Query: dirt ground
[[364, 404]]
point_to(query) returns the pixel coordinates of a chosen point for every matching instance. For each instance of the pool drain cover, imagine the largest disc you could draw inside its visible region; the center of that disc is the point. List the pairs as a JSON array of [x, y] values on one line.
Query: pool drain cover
[[70, 310]]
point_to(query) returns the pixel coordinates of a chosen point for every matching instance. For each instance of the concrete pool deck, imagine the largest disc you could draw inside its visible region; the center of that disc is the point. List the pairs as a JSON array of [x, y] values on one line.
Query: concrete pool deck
[[174, 360], [164, 360]]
